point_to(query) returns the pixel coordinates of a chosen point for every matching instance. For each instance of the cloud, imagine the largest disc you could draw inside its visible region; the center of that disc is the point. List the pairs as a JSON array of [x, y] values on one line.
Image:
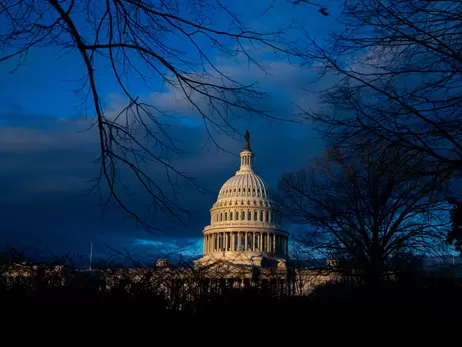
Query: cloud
[[47, 166], [44, 204], [47, 158], [274, 77]]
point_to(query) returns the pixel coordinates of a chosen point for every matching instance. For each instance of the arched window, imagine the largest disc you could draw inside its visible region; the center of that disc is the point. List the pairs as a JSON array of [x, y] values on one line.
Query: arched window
[[221, 216], [231, 215], [255, 216], [226, 216], [236, 215], [249, 215], [242, 215], [267, 216], [261, 216]]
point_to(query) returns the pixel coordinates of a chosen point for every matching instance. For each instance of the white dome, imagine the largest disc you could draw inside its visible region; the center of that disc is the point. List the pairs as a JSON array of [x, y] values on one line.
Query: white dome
[[245, 223], [247, 185]]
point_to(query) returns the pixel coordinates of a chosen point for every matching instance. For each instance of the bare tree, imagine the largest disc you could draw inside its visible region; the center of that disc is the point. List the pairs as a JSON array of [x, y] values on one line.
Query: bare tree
[[146, 40], [362, 212], [396, 69]]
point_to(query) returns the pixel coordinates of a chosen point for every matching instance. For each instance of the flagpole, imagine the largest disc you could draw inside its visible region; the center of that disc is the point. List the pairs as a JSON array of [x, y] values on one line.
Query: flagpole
[[91, 254]]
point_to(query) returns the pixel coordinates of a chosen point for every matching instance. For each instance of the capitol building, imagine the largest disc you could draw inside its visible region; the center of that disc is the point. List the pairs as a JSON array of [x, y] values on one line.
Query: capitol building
[[245, 245], [245, 222]]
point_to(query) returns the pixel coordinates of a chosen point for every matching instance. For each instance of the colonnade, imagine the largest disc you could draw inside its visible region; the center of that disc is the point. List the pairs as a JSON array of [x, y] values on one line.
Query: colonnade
[[246, 241], [246, 215]]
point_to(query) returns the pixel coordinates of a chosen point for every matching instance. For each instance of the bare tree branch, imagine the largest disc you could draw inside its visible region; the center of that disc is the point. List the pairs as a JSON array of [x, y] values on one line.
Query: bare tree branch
[[396, 67], [397, 72], [167, 41]]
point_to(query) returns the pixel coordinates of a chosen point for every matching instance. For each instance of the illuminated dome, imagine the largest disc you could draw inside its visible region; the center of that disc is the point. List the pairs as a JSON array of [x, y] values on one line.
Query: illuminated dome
[[244, 185], [245, 224]]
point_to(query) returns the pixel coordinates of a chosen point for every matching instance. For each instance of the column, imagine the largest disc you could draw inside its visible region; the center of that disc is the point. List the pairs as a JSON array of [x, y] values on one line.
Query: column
[[253, 242], [205, 245], [274, 243], [246, 240]]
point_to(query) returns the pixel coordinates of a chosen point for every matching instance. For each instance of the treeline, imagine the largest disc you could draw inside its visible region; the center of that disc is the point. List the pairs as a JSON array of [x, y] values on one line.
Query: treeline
[[409, 295]]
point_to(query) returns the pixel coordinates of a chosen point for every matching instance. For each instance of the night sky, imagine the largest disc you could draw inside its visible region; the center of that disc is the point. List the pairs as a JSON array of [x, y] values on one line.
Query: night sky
[[46, 153]]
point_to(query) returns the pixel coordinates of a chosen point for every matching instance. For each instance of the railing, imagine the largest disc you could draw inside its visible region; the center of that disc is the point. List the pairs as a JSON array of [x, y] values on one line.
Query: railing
[[244, 224]]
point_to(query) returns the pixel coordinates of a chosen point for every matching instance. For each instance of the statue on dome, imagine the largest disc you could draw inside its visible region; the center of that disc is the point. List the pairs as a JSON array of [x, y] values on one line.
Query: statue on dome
[[247, 140]]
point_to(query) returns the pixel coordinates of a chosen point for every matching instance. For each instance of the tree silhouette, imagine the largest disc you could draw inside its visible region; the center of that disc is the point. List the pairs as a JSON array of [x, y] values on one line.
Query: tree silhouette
[[397, 72], [365, 209]]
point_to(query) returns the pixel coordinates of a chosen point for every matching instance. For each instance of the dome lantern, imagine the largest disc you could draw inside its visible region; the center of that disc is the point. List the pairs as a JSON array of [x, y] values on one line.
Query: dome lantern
[[246, 156]]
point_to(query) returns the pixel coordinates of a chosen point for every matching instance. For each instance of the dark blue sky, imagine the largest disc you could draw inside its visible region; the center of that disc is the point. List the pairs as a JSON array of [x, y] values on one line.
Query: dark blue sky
[[46, 154]]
